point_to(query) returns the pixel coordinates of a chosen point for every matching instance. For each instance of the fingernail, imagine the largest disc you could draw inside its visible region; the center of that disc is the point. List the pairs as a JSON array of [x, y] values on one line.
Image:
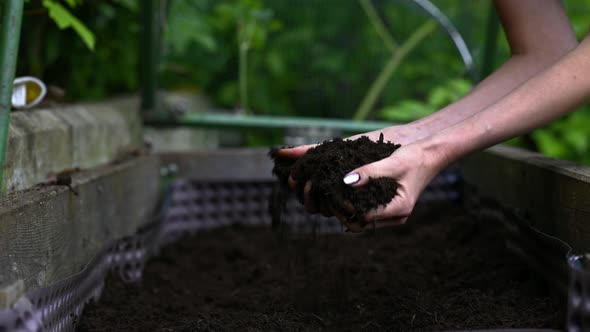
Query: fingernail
[[352, 178]]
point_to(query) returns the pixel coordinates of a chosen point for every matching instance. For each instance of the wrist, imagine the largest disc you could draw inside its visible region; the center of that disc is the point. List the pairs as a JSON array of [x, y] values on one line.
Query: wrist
[[438, 153], [406, 134]]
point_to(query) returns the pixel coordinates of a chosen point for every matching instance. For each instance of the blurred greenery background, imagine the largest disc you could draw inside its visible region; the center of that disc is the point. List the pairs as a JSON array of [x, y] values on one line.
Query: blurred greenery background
[[317, 58]]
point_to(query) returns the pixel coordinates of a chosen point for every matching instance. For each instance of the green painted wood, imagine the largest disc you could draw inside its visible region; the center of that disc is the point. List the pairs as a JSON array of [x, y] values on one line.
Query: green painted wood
[[233, 121], [10, 28]]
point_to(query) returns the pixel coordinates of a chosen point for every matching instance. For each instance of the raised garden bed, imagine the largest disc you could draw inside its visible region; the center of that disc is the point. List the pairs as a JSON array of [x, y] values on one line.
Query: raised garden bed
[[443, 271]]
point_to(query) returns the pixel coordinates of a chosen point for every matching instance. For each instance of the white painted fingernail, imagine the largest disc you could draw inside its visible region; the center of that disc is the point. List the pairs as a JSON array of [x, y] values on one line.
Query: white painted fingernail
[[352, 178]]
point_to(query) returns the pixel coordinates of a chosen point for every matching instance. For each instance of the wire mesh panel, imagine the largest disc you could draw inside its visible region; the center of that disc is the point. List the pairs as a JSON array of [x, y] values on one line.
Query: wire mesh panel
[[579, 294], [197, 205]]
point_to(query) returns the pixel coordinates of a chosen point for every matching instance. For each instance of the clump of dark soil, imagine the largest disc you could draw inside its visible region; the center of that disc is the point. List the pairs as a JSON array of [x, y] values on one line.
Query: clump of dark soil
[[326, 165], [441, 271]]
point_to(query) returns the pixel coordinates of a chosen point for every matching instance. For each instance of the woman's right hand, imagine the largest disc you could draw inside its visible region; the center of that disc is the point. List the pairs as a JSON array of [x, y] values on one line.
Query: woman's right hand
[[399, 134]]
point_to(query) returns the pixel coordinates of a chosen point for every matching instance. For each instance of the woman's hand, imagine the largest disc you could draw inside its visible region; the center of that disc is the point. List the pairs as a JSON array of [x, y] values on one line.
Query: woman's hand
[[400, 134], [413, 167]]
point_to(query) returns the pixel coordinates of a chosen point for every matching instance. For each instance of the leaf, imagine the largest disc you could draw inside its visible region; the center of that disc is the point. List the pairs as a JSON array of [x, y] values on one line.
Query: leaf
[[578, 139], [448, 93], [228, 94], [276, 64], [406, 110], [550, 145], [64, 19], [188, 26], [132, 5]]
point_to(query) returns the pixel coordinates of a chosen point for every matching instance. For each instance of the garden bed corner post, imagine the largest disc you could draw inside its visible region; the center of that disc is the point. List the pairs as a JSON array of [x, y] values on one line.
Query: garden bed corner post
[[151, 29]]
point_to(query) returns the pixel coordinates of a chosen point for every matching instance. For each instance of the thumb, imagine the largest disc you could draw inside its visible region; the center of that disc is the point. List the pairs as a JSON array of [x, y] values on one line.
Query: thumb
[[295, 152], [387, 167]]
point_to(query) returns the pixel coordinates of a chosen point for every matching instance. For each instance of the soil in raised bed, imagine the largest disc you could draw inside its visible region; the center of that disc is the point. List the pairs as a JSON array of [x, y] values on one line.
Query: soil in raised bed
[[441, 271], [325, 166]]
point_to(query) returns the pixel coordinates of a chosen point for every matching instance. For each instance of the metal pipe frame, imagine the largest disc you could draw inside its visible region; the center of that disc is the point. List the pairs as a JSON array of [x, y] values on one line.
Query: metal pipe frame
[[9, 42], [233, 121], [149, 48]]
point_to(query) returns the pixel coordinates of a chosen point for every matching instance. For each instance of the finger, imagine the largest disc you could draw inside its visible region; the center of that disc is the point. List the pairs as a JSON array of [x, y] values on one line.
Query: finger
[[400, 207], [294, 174], [372, 135], [387, 167], [327, 212], [292, 184], [295, 152], [307, 201], [341, 216], [354, 227], [345, 220], [348, 207], [377, 224]]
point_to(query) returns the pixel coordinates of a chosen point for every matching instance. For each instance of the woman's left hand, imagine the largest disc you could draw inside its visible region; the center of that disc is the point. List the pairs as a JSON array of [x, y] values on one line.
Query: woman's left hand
[[412, 166]]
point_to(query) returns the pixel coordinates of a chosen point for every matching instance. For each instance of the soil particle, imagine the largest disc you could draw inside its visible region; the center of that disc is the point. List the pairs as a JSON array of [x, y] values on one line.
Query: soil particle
[[441, 271], [326, 165]]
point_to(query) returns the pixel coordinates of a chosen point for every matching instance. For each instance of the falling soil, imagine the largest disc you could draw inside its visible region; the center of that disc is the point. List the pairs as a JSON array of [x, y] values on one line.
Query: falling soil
[[326, 165], [441, 271]]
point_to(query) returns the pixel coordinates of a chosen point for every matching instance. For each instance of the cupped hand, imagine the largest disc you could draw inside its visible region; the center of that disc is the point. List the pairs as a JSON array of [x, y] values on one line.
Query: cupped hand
[[297, 152], [399, 134], [413, 167], [402, 134], [294, 153]]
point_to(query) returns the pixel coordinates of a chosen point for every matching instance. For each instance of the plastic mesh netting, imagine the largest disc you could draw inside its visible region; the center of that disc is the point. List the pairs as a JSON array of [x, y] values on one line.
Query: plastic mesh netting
[[189, 207]]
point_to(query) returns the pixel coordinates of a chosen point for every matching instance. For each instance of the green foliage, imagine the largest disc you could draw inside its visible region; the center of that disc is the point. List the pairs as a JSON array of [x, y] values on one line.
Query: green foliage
[[252, 21], [64, 60], [284, 57], [188, 25], [310, 59], [406, 111], [439, 97], [64, 19], [237, 27], [568, 138], [253, 25]]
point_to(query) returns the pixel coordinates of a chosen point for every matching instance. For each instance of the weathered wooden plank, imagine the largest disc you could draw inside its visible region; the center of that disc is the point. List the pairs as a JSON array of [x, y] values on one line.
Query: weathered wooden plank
[[553, 194], [48, 233], [61, 137]]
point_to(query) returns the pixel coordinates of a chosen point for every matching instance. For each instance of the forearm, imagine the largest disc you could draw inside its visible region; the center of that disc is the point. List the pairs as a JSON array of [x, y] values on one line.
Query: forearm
[[548, 95], [514, 72], [510, 75], [539, 34]]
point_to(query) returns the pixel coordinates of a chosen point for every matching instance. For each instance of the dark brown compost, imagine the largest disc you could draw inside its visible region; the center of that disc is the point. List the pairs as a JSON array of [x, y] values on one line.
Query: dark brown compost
[[441, 271], [326, 165]]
